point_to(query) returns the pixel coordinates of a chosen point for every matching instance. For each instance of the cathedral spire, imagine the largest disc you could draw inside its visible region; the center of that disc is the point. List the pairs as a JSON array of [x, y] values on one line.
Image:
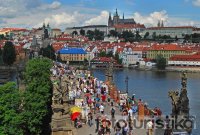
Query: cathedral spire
[[44, 25], [123, 16], [116, 12], [110, 16], [162, 24], [158, 23]]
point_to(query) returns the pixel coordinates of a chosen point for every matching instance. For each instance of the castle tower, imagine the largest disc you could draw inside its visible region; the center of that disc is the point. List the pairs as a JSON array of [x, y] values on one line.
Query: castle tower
[[116, 18], [110, 23], [158, 25], [162, 24]]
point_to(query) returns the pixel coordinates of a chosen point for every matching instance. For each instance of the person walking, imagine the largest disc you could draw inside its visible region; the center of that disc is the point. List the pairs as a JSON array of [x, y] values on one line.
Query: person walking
[[90, 118], [101, 108], [150, 128], [97, 120], [112, 111]]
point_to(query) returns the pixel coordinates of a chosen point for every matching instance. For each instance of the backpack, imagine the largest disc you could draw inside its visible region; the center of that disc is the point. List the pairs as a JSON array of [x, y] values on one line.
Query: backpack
[[112, 110]]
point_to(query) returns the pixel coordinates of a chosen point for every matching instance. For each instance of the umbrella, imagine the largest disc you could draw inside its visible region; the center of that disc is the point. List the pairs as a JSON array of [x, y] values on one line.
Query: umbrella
[[87, 95], [75, 109], [75, 115]]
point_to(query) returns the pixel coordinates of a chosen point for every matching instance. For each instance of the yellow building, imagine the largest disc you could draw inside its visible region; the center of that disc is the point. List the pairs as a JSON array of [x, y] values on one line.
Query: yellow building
[[167, 51], [72, 54]]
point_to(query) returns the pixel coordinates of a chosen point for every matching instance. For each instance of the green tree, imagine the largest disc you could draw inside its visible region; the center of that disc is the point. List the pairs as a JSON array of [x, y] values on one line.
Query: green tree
[[11, 120], [137, 36], [128, 36], [82, 32], [102, 54], [9, 54], [74, 33], [98, 35], [146, 35], [161, 62], [37, 97], [2, 37], [113, 33], [110, 54], [154, 36], [117, 58], [48, 52], [90, 34]]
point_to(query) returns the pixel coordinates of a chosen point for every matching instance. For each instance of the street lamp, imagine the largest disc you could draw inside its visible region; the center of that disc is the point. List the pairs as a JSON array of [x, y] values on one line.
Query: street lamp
[[126, 81]]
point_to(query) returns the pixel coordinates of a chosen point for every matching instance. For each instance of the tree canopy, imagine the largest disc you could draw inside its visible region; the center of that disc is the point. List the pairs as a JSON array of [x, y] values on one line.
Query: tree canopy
[[82, 32], [113, 33], [28, 112], [48, 52], [37, 99], [9, 54], [96, 34], [161, 62], [11, 119]]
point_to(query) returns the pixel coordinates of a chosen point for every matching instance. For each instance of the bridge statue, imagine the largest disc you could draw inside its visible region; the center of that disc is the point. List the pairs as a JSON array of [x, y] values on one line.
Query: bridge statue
[[180, 103]]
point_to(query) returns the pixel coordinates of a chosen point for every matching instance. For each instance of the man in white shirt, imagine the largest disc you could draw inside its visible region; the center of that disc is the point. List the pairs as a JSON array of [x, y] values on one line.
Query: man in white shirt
[[101, 108], [150, 128], [130, 112]]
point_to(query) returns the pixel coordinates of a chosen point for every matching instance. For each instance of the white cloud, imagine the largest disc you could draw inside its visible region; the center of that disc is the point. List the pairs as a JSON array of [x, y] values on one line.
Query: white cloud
[[101, 19], [63, 20], [53, 5], [196, 3], [152, 18]]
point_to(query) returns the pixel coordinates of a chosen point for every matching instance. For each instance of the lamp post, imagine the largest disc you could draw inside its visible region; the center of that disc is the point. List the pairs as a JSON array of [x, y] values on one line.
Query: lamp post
[[126, 81]]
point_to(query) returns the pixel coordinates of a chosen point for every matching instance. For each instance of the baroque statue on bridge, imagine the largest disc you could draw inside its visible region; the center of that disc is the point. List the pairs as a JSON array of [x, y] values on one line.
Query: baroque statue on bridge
[[180, 103]]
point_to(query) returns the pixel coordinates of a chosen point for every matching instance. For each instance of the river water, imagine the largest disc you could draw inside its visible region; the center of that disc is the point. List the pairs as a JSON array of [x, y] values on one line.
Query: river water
[[152, 87]]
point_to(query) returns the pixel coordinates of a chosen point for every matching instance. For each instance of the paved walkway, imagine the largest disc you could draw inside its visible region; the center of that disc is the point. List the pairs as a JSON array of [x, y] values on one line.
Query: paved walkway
[[86, 130]]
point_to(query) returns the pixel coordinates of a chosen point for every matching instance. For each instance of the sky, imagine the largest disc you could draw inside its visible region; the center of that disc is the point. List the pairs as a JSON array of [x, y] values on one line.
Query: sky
[[70, 13]]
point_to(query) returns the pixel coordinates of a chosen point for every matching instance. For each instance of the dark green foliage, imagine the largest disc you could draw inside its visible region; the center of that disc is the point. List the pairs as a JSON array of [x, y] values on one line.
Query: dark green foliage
[[48, 52], [74, 33], [9, 54], [161, 62], [154, 36], [113, 33], [90, 34], [146, 35], [102, 54], [37, 99], [11, 119], [117, 58], [128, 36], [82, 32], [137, 36], [96, 35], [2, 37], [1, 52]]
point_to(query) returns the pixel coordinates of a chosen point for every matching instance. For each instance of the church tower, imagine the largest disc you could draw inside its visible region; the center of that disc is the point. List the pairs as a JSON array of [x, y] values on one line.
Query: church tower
[[116, 18], [158, 25], [110, 22], [162, 24]]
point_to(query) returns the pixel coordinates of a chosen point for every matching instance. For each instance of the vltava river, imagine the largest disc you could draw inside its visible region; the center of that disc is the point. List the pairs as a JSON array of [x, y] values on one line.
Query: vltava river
[[153, 88]]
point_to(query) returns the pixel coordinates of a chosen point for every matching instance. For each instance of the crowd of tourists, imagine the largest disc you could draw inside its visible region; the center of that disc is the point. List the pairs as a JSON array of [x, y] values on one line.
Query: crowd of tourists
[[91, 95]]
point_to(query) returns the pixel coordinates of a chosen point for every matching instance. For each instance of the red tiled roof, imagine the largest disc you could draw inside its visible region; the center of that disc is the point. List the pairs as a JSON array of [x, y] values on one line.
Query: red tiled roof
[[167, 47], [195, 57], [129, 26], [175, 27]]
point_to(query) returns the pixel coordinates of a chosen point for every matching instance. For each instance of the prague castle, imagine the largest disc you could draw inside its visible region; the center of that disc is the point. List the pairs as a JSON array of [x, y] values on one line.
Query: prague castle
[[116, 20]]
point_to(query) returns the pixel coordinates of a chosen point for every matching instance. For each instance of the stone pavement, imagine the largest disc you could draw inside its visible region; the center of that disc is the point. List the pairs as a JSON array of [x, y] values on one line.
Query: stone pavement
[[86, 130]]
